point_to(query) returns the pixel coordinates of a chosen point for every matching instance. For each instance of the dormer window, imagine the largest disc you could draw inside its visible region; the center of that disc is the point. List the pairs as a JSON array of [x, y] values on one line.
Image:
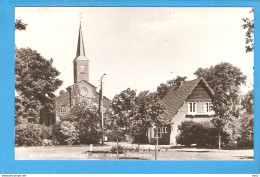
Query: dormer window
[[192, 107], [82, 69]]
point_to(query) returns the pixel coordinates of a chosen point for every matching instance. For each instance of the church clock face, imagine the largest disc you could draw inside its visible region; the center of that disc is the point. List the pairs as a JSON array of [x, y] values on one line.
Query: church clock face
[[84, 92]]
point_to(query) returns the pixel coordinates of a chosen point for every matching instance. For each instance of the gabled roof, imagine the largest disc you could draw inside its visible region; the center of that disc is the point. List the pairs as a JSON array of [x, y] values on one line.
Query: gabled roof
[[86, 82], [96, 92], [175, 97]]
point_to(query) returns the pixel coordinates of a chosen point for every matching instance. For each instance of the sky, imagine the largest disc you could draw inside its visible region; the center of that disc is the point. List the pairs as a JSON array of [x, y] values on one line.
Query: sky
[[137, 47]]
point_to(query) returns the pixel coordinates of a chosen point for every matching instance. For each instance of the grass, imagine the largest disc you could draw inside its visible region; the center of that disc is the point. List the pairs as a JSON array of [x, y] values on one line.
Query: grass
[[147, 153]]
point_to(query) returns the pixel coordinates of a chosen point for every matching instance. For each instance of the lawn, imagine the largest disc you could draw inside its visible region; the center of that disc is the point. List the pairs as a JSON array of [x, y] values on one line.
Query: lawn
[[146, 153]]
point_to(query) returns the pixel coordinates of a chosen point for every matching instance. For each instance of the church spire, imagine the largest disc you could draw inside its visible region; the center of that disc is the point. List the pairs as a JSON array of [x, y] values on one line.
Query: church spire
[[80, 48], [81, 62]]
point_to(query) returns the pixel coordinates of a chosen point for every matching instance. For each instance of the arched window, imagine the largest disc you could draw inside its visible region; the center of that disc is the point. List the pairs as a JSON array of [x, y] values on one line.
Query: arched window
[[82, 69], [63, 110]]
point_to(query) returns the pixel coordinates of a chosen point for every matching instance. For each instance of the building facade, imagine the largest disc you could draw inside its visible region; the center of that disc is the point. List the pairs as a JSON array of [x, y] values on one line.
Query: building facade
[[81, 92], [190, 101]]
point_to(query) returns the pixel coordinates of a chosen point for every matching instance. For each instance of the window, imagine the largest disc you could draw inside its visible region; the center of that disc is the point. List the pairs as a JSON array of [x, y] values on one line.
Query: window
[[208, 108], [165, 129], [159, 132], [82, 69], [192, 108], [63, 110]]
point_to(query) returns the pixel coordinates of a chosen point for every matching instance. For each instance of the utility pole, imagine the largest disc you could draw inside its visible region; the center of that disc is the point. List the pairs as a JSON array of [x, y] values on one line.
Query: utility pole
[[101, 107], [156, 144]]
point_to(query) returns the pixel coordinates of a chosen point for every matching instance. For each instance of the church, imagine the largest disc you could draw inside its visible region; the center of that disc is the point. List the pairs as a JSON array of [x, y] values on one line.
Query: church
[[81, 92]]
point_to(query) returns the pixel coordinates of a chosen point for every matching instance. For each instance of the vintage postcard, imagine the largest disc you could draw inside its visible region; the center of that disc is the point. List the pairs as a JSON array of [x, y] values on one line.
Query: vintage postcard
[[134, 83]]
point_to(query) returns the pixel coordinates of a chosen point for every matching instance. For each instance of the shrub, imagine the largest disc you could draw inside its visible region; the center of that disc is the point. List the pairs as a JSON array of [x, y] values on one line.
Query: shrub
[[65, 133], [31, 134], [199, 133], [120, 149], [86, 120]]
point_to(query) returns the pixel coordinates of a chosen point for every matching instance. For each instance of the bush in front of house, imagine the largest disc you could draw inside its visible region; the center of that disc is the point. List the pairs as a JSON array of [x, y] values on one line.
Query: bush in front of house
[[31, 134], [200, 133], [65, 133]]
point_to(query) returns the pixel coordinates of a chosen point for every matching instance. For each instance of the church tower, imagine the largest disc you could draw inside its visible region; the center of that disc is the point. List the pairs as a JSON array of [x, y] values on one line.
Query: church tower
[[81, 63]]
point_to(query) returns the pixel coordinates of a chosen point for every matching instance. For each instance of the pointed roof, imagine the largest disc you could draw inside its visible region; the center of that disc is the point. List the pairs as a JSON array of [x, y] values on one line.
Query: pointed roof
[[175, 97], [80, 48]]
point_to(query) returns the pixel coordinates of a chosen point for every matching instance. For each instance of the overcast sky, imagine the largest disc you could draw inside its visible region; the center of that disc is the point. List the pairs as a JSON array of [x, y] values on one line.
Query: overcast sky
[[137, 47]]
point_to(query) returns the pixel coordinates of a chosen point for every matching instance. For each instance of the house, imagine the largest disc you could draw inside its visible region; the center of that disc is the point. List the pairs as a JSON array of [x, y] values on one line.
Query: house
[[190, 101], [81, 92]]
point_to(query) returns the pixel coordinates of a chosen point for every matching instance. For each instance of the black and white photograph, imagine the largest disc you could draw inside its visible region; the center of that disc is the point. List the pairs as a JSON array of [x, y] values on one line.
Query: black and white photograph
[[134, 83]]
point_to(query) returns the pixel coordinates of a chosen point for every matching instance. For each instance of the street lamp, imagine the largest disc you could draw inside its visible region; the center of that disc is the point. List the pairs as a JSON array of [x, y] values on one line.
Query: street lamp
[[101, 107]]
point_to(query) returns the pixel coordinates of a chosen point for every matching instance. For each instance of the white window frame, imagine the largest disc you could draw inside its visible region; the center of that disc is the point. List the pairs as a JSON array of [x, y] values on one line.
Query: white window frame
[[159, 132], [208, 108], [165, 129], [63, 110], [194, 107]]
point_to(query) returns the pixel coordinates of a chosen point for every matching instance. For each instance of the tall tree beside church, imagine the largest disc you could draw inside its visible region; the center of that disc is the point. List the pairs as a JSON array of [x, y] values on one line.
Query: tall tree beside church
[[225, 80], [249, 26], [163, 88], [35, 82]]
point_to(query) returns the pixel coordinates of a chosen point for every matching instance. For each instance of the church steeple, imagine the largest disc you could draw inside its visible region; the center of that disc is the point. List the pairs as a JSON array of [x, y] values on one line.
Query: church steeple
[[80, 49], [81, 62]]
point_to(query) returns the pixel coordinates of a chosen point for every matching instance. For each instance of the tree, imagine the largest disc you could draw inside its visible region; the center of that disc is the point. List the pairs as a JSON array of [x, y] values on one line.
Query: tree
[[246, 129], [249, 25], [30, 134], [225, 80], [35, 82], [162, 89], [86, 120], [19, 25], [146, 102], [248, 102], [136, 113], [124, 110], [65, 133]]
